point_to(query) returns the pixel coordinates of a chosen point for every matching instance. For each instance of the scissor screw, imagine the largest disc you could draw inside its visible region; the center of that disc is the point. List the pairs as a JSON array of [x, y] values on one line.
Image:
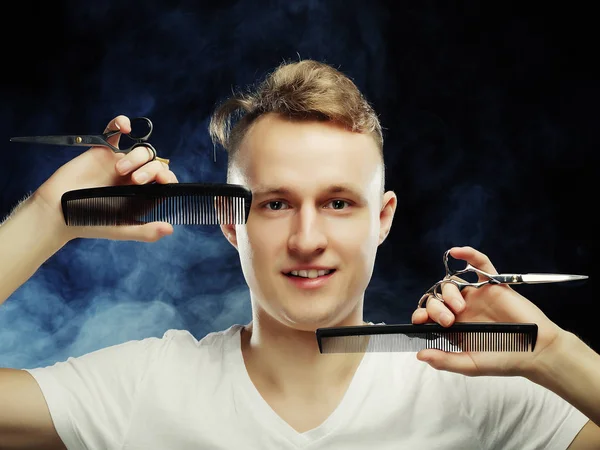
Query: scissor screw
[[78, 139]]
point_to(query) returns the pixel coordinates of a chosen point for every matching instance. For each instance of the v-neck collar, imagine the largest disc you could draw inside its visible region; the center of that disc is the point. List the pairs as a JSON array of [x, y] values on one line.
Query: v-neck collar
[[272, 422]]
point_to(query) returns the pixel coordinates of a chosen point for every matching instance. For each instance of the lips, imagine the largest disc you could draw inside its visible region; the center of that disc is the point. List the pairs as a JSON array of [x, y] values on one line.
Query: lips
[[309, 273], [306, 283]]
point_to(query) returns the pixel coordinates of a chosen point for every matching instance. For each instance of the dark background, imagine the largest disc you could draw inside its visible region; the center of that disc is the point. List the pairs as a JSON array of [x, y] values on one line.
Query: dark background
[[490, 116]]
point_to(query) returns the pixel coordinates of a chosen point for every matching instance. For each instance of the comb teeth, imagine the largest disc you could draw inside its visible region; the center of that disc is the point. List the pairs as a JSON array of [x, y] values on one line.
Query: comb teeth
[[177, 204], [461, 337]]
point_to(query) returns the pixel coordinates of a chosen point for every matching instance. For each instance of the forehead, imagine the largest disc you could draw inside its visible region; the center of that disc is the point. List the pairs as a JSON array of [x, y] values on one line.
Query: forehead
[[306, 156]]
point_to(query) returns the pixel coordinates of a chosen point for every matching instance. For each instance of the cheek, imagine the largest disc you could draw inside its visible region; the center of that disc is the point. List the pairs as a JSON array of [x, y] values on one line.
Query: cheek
[[244, 243], [356, 233], [259, 241], [246, 254], [357, 242]]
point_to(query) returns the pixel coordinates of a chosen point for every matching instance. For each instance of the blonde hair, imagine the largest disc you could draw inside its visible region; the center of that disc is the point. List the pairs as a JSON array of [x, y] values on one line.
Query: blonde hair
[[304, 90]]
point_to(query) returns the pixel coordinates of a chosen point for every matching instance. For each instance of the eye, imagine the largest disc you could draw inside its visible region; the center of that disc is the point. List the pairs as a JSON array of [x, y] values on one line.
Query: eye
[[276, 205], [338, 204]]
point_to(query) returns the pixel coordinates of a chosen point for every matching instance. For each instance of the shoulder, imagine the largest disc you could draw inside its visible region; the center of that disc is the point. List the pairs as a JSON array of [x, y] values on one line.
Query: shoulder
[[183, 357], [175, 340], [211, 338]]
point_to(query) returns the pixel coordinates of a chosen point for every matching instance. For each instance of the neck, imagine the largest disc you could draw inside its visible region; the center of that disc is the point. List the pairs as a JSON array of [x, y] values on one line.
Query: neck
[[287, 361]]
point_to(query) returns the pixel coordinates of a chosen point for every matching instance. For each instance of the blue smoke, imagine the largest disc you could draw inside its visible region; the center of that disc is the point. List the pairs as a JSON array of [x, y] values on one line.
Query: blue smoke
[[488, 143], [172, 65]]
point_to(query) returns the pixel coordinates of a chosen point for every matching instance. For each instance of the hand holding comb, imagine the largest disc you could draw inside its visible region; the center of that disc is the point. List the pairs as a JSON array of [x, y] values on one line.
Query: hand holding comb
[[106, 201], [523, 327], [97, 167]]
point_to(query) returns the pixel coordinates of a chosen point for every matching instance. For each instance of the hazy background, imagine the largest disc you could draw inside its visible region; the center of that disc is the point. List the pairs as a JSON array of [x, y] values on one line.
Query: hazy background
[[490, 116]]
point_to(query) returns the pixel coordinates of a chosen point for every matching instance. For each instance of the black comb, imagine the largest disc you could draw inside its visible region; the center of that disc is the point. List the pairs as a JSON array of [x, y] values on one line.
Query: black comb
[[460, 337], [175, 203]]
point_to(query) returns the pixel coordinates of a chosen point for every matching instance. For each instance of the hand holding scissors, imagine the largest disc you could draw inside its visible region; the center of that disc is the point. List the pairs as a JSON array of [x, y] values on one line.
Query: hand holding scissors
[[498, 304], [485, 278], [140, 132], [99, 166]]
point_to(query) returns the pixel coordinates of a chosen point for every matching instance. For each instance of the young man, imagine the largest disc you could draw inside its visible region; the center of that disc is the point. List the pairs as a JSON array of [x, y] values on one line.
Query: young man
[[309, 147]]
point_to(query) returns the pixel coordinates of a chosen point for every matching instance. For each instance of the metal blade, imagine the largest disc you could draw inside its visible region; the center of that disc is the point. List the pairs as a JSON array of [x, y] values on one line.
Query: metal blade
[[52, 140], [81, 140], [534, 278]]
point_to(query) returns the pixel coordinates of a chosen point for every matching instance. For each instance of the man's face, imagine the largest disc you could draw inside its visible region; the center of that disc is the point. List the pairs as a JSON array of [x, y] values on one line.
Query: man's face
[[317, 206]]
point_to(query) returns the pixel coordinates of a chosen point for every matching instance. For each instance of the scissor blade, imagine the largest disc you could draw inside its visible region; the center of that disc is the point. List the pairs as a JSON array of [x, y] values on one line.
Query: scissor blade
[[533, 278], [68, 140]]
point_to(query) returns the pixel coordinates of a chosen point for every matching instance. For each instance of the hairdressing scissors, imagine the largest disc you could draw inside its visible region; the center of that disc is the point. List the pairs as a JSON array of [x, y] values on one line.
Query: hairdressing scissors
[[503, 278], [141, 129]]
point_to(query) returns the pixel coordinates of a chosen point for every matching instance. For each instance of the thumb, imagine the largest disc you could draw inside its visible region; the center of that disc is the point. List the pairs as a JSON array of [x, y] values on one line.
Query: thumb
[[149, 232], [459, 362]]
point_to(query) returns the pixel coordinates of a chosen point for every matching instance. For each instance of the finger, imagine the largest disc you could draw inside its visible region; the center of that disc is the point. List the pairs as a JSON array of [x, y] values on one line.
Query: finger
[[453, 298], [166, 176], [459, 362], [121, 123], [474, 257], [149, 172], [149, 232], [420, 316], [439, 312], [134, 160]]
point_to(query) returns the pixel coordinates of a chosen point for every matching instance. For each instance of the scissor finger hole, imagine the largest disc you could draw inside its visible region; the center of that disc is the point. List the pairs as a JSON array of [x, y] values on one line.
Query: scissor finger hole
[[152, 152], [147, 148], [141, 128], [460, 267], [438, 311], [466, 277], [424, 299]]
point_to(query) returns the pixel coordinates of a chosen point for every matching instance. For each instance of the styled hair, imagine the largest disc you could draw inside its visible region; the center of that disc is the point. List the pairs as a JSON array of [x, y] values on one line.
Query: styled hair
[[304, 90]]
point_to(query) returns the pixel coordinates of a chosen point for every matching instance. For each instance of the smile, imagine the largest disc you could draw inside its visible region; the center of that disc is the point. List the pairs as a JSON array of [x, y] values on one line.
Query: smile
[[309, 273], [310, 279]]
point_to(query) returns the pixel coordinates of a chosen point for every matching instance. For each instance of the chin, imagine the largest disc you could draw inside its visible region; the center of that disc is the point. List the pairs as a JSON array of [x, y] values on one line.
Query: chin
[[310, 321], [309, 312]]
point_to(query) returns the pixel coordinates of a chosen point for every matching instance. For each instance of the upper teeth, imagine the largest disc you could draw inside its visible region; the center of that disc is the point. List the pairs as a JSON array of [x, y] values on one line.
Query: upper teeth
[[310, 273]]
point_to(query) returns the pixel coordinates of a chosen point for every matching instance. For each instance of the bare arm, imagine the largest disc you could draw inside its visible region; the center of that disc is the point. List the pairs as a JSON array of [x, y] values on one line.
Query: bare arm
[[36, 229], [28, 237], [25, 420], [32, 234], [571, 369]]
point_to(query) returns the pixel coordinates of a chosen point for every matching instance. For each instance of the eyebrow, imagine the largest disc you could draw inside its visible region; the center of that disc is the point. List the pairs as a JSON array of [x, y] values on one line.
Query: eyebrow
[[263, 190]]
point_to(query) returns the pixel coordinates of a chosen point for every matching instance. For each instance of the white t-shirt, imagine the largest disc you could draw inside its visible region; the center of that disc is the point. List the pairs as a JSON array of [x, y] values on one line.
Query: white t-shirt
[[178, 393]]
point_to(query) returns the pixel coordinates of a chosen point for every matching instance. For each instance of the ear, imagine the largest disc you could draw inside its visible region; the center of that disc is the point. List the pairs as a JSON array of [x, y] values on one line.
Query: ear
[[230, 234], [223, 210], [386, 215]]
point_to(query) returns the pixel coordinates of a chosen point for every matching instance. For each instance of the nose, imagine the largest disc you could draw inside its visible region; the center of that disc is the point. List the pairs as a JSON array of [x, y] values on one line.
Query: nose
[[307, 236]]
